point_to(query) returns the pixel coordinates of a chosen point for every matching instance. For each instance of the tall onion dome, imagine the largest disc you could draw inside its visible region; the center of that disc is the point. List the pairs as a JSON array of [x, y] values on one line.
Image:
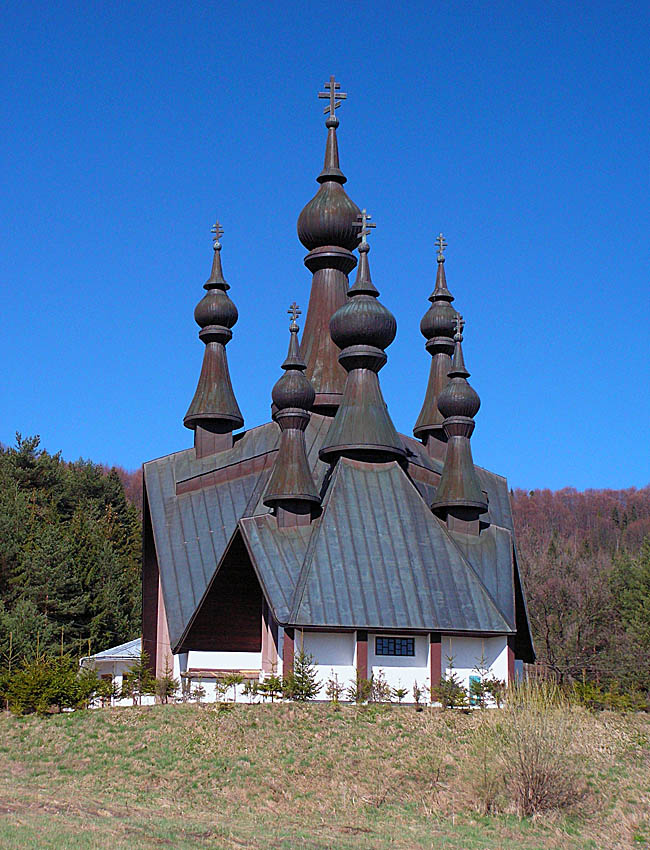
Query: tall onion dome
[[437, 327], [291, 488], [214, 413], [362, 328], [459, 490], [326, 227]]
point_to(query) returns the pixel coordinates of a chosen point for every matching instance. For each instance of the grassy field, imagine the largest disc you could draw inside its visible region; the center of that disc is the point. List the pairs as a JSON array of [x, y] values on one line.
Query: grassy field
[[304, 776]]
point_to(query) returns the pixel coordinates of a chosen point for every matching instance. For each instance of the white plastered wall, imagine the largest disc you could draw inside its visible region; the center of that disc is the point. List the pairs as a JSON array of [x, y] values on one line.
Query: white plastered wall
[[402, 671], [224, 660], [333, 655], [466, 654]]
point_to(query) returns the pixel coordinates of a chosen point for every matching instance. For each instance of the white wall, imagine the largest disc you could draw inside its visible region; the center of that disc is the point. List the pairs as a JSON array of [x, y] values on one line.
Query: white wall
[[224, 660], [466, 653], [402, 671], [333, 655]]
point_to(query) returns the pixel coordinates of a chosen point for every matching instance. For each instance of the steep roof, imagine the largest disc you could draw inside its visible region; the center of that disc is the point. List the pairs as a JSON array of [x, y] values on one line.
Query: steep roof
[[195, 506], [380, 559]]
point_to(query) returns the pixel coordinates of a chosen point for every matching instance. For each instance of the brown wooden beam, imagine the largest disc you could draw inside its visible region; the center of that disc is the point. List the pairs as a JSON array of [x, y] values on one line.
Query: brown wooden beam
[[362, 654], [511, 660], [435, 659], [287, 652]]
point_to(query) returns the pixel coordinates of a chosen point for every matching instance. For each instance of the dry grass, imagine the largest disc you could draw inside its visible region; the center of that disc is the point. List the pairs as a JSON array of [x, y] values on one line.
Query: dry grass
[[288, 776]]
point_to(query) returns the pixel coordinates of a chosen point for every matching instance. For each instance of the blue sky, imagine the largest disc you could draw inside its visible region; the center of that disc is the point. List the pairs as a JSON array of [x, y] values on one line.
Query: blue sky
[[518, 129]]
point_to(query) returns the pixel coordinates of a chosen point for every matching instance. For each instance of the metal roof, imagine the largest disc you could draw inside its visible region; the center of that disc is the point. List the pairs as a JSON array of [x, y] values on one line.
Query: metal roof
[[130, 649], [195, 505], [382, 560]]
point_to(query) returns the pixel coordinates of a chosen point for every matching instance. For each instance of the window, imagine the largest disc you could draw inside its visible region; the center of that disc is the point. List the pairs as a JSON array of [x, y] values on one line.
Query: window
[[394, 646]]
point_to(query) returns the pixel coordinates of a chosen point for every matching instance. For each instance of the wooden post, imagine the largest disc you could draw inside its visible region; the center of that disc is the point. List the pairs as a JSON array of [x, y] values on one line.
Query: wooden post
[[435, 659], [511, 660], [287, 652], [362, 654]]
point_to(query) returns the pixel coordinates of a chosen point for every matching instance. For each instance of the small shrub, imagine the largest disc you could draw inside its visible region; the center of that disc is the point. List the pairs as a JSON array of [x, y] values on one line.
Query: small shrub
[[380, 690], [138, 681], [302, 683], [535, 745], [233, 680], [359, 690], [271, 687], [418, 696], [334, 689], [449, 692], [400, 694], [166, 686], [250, 690]]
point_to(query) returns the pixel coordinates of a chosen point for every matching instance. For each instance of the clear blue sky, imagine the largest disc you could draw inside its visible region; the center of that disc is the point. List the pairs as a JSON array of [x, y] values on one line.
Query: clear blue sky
[[518, 129]]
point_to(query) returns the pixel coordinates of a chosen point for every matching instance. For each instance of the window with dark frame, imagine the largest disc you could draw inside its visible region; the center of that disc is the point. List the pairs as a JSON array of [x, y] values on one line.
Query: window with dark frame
[[395, 646]]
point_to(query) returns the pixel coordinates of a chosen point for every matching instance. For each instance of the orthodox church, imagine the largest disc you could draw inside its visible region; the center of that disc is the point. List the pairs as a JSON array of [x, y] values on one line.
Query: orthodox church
[[325, 529]]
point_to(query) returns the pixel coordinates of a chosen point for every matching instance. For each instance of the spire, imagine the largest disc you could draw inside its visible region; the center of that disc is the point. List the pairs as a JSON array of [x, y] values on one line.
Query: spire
[[459, 496], [362, 328], [214, 413], [326, 227], [291, 488], [437, 327]]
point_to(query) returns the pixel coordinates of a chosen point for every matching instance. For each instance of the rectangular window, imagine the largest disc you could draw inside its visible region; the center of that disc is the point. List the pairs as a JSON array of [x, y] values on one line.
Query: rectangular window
[[394, 646]]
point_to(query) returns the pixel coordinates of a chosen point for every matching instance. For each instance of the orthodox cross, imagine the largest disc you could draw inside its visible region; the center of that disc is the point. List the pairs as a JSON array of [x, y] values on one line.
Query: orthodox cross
[[332, 94], [460, 324], [294, 311], [442, 244], [217, 229], [363, 221]]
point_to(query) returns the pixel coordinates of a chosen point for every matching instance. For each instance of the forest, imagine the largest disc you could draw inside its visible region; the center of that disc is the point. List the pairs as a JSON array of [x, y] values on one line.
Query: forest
[[70, 548]]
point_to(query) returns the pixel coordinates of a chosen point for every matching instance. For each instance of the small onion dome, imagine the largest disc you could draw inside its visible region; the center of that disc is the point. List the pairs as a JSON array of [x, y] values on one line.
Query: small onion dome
[[214, 405], [330, 217], [440, 318], [291, 484], [293, 389], [458, 398], [363, 320]]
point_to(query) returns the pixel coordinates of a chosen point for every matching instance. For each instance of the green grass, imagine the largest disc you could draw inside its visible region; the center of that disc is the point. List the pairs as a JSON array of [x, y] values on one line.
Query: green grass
[[293, 776]]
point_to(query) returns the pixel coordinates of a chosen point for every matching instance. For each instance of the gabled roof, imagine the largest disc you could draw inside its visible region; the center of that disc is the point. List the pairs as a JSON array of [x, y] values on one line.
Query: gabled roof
[[380, 559], [196, 504], [125, 651]]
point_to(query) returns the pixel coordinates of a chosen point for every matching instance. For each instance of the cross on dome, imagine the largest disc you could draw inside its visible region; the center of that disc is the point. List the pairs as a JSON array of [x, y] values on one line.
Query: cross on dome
[[294, 311], [332, 94], [217, 229], [460, 324], [363, 221], [441, 245]]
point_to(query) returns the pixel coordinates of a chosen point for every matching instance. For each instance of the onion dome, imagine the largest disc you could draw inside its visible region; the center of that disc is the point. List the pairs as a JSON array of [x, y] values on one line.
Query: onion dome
[[330, 217], [438, 327], [327, 228], [459, 486], [291, 485], [362, 328], [214, 408]]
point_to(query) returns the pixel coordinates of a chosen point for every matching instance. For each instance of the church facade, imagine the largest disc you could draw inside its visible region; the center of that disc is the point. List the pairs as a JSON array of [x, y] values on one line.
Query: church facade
[[325, 530]]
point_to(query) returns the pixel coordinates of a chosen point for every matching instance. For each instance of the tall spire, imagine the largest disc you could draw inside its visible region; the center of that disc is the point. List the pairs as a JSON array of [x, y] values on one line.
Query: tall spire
[[437, 327], [459, 495], [214, 413], [362, 328], [326, 227], [291, 489]]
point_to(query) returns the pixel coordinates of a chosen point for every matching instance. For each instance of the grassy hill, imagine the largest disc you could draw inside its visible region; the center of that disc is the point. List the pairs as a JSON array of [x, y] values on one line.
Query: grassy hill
[[310, 777]]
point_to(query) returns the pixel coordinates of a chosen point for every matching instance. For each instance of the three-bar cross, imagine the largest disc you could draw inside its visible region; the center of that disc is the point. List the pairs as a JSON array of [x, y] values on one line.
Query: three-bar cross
[[294, 311], [363, 221], [334, 96], [217, 229], [441, 244]]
